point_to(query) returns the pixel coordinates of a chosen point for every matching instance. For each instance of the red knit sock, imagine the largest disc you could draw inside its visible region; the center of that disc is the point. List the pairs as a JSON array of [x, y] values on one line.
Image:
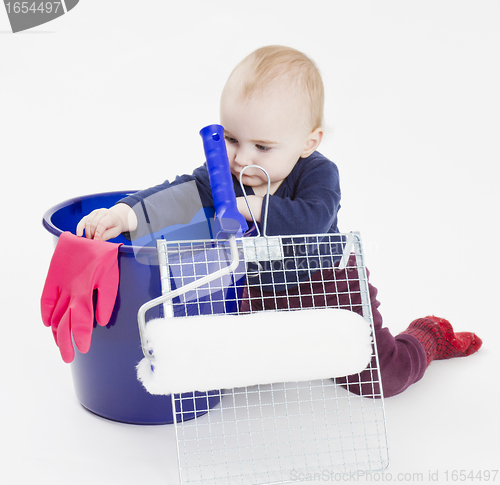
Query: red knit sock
[[440, 341]]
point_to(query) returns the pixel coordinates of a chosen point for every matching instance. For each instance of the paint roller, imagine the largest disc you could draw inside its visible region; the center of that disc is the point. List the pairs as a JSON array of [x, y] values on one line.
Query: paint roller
[[228, 351]]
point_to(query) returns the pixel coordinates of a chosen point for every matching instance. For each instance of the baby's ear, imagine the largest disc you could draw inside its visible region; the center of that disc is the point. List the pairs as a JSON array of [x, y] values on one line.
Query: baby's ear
[[313, 141]]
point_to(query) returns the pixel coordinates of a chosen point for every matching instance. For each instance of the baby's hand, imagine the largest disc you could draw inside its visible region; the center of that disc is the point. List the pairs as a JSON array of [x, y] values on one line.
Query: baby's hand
[[104, 224], [255, 202]]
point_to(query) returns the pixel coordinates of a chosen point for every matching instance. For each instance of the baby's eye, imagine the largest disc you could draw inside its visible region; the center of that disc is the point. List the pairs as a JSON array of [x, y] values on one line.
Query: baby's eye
[[262, 148], [230, 139]]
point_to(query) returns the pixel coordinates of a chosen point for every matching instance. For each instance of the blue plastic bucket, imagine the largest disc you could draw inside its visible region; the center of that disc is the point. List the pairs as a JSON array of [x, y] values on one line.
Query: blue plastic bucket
[[105, 378]]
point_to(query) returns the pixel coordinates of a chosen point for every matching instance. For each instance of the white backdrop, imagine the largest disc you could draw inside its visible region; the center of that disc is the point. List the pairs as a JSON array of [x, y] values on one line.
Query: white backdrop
[[112, 95]]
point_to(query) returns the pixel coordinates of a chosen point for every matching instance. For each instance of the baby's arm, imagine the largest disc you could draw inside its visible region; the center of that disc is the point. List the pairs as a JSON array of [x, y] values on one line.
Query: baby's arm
[[312, 206], [104, 224]]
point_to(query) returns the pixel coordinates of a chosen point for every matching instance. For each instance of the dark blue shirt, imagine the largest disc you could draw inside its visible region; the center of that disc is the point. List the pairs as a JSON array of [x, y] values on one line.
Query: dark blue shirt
[[306, 202]]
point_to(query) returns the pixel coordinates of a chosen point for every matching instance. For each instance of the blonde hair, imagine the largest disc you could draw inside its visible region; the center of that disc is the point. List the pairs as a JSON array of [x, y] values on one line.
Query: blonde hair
[[285, 66]]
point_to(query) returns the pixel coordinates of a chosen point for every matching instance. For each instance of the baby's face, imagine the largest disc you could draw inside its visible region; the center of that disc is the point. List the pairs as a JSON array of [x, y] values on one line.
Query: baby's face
[[268, 130]]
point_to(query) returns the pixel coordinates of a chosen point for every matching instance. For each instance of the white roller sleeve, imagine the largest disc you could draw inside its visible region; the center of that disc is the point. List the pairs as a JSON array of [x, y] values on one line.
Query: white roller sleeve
[[226, 351]]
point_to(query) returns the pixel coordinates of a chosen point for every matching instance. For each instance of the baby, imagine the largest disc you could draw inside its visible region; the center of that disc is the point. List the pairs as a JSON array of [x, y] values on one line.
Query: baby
[[272, 112]]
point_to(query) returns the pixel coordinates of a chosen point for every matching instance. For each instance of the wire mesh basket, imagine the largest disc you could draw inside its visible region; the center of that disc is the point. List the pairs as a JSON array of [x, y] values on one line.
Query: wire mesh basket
[[280, 432]]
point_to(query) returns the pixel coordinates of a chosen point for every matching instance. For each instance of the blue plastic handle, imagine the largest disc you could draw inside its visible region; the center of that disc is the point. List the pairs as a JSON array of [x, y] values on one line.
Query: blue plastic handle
[[221, 182]]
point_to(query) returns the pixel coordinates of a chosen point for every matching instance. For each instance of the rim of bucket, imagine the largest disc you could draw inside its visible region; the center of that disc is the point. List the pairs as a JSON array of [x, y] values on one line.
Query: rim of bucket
[[50, 227]]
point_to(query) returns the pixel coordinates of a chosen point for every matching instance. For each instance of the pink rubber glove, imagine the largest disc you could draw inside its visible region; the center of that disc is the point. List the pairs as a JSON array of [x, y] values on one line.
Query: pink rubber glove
[[78, 266]]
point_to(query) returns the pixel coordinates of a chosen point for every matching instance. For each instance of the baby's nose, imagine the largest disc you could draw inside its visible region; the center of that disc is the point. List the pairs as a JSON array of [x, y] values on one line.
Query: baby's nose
[[242, 159]]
